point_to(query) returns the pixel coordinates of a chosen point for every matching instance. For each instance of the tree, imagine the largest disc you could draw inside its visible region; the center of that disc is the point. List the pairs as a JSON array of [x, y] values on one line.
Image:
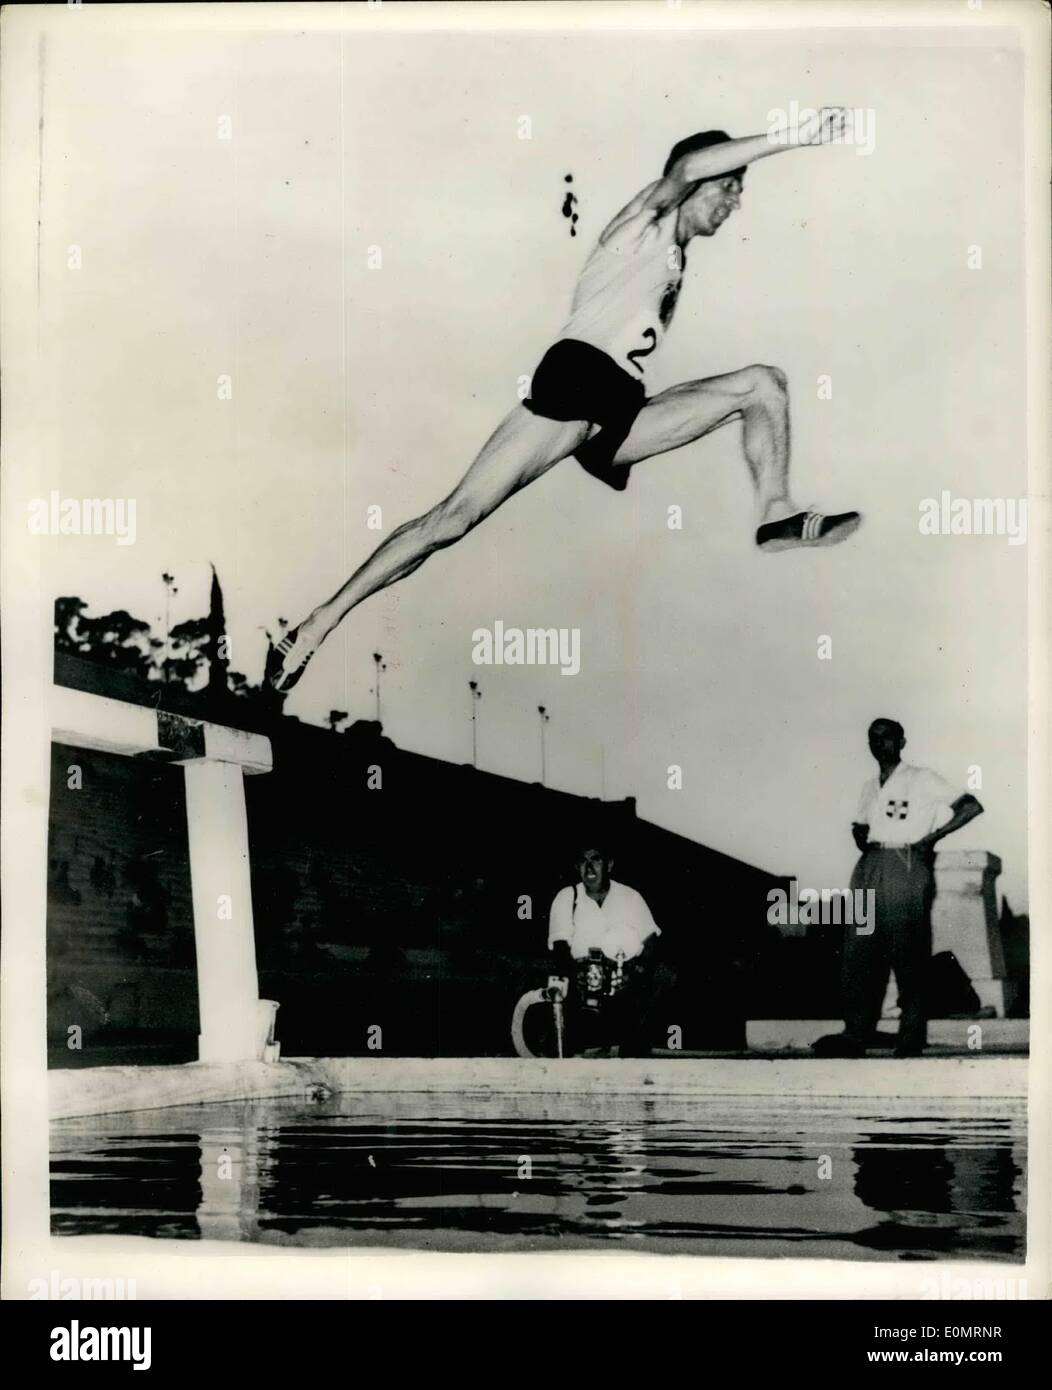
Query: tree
[[189, 654], [189, 646], [68, 612], [117, 639]]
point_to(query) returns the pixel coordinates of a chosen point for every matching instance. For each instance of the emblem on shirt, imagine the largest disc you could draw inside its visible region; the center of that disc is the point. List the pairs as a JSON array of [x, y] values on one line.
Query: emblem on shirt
[[897, 810], [668, 302]]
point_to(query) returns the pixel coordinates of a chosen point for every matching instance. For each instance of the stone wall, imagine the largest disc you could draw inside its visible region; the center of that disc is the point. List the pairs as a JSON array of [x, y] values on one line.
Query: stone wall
[[419, 906]]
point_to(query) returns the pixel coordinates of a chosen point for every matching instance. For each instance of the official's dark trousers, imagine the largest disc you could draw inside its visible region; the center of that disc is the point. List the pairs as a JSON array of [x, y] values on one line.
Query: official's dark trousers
[[903, 886]]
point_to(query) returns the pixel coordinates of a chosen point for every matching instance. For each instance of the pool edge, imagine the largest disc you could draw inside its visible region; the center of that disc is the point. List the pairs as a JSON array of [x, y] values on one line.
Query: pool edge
[[107, 1090]]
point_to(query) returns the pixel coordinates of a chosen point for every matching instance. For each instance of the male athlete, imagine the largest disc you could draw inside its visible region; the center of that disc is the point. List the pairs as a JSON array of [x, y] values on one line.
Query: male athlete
[[588, 395]]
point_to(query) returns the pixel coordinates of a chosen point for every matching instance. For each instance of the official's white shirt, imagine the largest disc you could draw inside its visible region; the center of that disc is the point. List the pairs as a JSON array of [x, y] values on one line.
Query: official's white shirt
[[621, 925], [912, 803]]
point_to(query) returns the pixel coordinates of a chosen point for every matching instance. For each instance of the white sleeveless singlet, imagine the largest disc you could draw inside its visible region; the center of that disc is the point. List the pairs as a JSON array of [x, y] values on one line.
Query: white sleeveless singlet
[[625, 298]]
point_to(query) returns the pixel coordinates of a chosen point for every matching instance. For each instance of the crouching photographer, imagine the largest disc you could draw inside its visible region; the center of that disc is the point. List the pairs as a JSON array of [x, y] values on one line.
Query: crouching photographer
[[605, 948]]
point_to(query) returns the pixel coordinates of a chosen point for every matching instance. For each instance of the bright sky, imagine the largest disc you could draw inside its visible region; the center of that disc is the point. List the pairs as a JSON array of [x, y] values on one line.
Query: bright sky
[[354, 387]]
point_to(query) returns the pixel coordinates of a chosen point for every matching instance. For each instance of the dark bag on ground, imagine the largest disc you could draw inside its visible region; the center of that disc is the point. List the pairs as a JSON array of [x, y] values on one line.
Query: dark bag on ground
[[948, 990]]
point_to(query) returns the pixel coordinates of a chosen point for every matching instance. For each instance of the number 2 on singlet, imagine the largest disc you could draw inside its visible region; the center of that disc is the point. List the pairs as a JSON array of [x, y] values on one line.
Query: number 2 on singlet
[[650, 337]]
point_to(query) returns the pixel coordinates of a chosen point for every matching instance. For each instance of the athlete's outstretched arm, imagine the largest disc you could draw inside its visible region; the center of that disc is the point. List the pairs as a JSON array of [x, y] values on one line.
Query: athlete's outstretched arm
[[719, 159]]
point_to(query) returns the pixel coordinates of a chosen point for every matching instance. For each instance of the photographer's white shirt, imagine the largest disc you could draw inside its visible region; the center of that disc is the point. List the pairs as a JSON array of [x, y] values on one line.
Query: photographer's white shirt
[[621, 925]]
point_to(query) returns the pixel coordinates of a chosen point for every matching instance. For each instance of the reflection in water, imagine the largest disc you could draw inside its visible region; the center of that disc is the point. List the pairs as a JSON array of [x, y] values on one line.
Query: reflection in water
[[743, 1177], [938, 1200]]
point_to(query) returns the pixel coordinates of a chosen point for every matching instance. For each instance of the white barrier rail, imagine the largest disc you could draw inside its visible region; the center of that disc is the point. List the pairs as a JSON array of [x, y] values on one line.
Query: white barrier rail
[[215, 760]]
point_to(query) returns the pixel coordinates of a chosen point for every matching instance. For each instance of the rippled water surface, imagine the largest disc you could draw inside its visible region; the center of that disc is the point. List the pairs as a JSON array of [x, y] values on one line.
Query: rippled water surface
[[899, 1180]]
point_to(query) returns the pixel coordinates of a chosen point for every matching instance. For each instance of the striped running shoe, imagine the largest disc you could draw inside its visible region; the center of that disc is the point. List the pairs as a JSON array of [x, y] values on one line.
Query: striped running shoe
[[807, 528], [278, 674]]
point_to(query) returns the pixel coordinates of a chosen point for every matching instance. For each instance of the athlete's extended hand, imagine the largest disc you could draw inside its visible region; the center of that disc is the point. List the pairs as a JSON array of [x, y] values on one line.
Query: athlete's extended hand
[[830, 124]]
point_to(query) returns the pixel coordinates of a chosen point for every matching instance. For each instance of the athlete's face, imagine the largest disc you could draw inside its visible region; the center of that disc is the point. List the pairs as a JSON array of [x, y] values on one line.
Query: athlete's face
[[712, 203], [594, 867]]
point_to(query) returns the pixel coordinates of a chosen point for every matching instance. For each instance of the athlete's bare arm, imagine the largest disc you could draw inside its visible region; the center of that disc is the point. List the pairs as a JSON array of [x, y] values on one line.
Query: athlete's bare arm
[[664, 195]]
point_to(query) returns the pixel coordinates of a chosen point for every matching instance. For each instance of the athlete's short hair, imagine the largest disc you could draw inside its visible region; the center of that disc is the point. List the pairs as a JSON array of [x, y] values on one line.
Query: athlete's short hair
[[888, 724], [701, 141]]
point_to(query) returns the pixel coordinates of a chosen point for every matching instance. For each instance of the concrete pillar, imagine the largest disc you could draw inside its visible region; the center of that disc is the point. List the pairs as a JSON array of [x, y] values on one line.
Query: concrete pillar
[[227, 983], [964, 920]]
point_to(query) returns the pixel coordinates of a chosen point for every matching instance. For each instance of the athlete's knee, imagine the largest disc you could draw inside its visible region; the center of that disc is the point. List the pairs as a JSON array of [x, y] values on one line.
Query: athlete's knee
[[451, 519], [767, 383]]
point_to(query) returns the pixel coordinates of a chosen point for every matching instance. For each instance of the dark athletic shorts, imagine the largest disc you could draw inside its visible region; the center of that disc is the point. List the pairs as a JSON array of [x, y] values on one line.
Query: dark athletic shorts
[[576, 381]]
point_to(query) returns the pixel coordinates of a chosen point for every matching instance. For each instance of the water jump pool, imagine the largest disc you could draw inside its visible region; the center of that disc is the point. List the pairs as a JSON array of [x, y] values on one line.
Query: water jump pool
[[837, 1178]]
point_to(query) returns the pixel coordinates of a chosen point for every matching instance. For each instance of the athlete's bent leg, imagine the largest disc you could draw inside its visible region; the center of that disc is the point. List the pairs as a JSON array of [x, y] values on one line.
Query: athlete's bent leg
[[758, 396], [522, 448]]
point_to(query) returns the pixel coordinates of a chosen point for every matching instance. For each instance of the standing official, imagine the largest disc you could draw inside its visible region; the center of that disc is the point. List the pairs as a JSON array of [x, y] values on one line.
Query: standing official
[[899, 821]]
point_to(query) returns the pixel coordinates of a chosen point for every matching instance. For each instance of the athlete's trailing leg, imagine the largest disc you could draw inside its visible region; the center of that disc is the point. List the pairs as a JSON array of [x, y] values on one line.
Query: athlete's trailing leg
[[523, 447]]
